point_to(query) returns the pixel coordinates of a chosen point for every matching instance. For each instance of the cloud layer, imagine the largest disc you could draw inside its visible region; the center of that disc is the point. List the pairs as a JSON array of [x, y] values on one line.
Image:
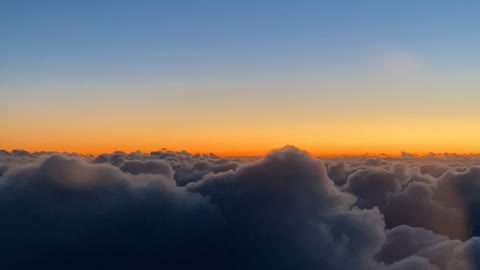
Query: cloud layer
[[287, 210]]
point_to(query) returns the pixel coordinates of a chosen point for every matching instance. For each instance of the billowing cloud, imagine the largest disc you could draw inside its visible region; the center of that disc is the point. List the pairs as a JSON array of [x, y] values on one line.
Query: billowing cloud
[[70, 214], [415, 206], [372, 186], [461, 190], [404, 243], [287, 203], [287, 210], [413, 263], [147, 167], [280, 212]]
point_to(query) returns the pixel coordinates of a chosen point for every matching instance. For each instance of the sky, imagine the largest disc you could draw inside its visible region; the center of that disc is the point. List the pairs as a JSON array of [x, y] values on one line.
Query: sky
[[240, 77]]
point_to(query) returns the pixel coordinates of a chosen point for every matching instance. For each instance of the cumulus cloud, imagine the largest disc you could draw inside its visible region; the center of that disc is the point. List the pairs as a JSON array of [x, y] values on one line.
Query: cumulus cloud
[[413, 263], [338, 172], [372, 186], [461, 190], [147, 167], [66, 213], [287, 210], [436, 170], [289, 199], [185, 167], [281, 212], [404, 243], [415, 206]]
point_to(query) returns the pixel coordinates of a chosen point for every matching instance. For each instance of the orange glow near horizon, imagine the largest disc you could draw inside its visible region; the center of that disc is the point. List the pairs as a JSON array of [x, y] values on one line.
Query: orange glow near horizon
[[236, 148], [242, 146], [325, 151], [247, 134]]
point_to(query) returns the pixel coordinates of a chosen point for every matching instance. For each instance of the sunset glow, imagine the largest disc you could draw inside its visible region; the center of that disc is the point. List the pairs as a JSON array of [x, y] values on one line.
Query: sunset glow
[[251, 134]]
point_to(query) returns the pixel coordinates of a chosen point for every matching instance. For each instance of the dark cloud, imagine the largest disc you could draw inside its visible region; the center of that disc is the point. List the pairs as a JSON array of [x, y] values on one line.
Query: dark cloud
[[282, 212], [413, 263], [67, 214], [3, 169], [338, 172], [405, 241], [20, 153], [374, 162], [289, 207], [147, 167], [178, 210], [415, 206], [372, 186], [461, 190], [186, 167], [435, 170]]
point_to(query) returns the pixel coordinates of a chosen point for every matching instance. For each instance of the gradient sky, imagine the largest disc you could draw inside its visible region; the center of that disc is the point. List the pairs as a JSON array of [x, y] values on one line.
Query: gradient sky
[[240, 77]]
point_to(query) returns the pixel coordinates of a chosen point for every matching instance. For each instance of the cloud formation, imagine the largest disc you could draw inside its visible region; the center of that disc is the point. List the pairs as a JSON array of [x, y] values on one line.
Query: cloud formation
[[287, 210]]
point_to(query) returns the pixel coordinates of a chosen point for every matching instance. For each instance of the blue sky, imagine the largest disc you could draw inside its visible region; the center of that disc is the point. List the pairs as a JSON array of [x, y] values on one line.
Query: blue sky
[[90, 39]]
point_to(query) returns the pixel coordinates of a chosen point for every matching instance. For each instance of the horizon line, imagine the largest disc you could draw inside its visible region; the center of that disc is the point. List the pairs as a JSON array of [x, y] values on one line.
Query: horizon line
[[401, 154]]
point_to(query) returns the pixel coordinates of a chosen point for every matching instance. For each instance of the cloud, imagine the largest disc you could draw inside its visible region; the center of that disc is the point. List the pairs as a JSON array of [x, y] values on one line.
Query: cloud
[[408, 194], [372, 186], [3, 169], [413, 263], [461, 190], [405, 241], [281, 212], [436, 170], [186, 167], [148, 167], [338, 172], [415, 206], [287, 210], [288, 197], [66, 213]]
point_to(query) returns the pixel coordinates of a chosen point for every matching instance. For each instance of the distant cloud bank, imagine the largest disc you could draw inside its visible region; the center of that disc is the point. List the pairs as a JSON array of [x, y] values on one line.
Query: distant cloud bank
[[287, 210]]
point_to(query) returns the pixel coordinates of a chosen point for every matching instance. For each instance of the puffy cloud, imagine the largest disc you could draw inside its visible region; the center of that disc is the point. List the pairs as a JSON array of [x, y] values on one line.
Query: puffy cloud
[[372, 186], [436, 170], [461, 190], [148, 167], [413, 263], [282, 212], [68, 214], [338, 172], [407, 192], [405, 241], [3, 169], [20, 153], [374, 162], [287, 210], [186, 167], [415, 206]]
